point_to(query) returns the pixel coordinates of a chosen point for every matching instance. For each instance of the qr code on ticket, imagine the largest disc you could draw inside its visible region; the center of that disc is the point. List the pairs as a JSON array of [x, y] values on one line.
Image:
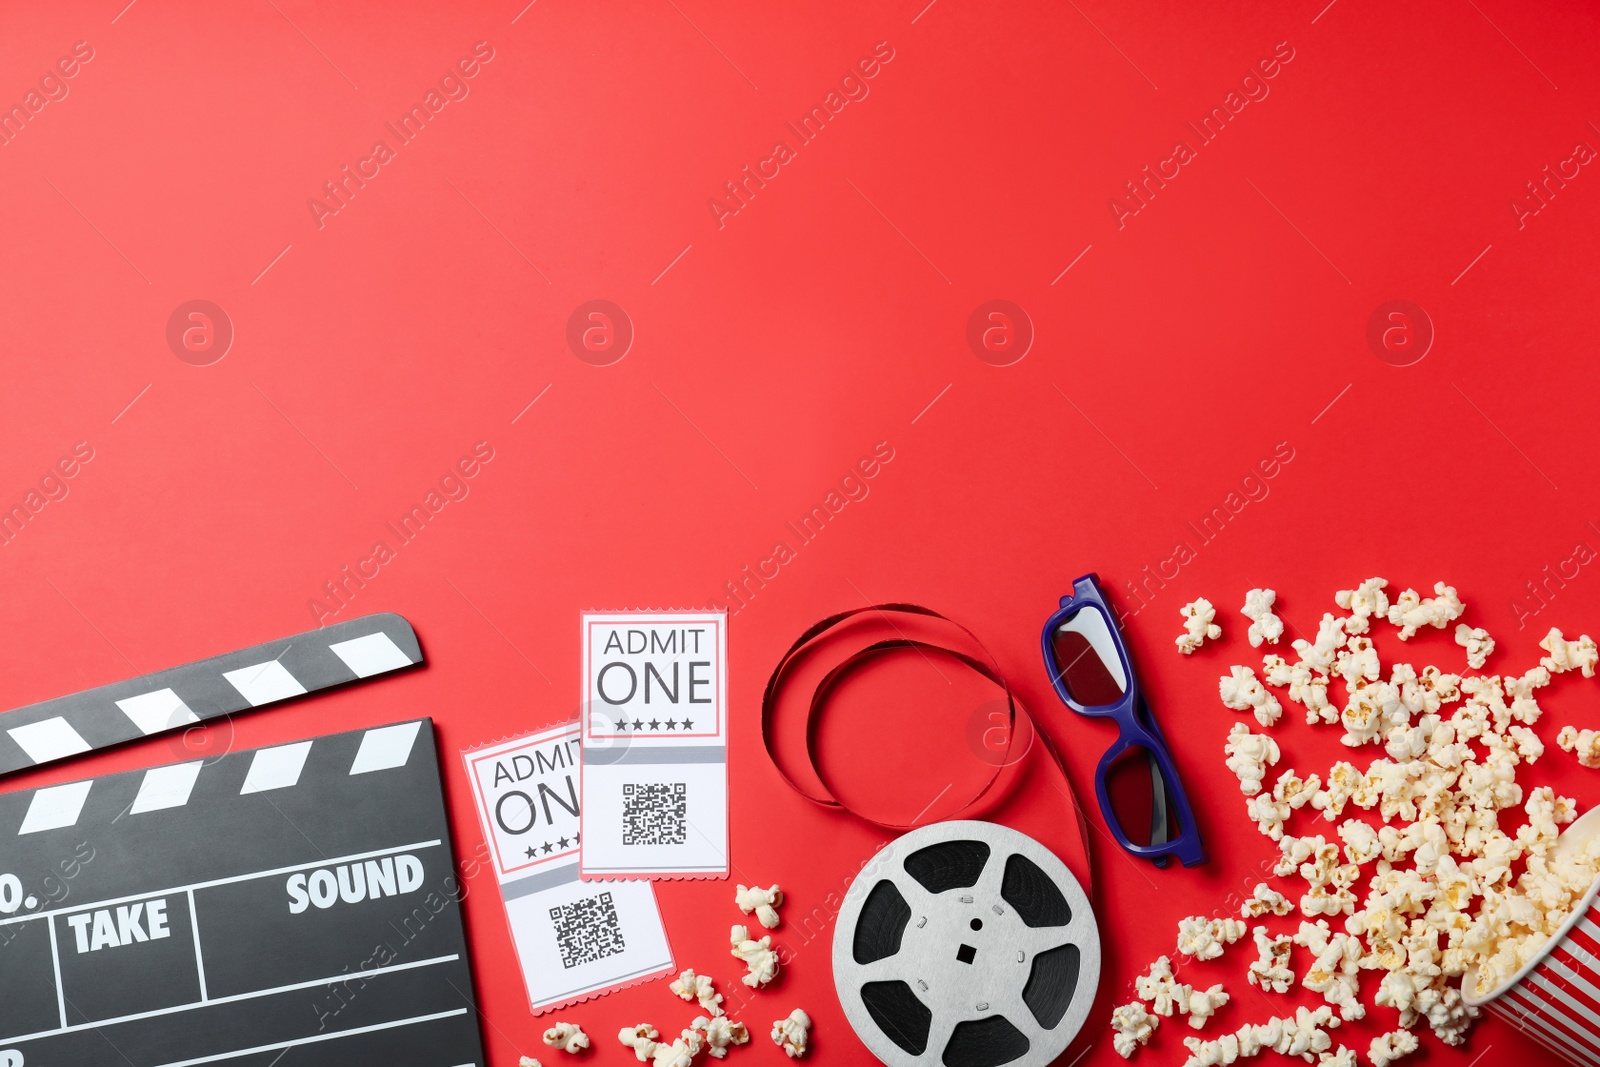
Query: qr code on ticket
[[587, 930], [653, 814]]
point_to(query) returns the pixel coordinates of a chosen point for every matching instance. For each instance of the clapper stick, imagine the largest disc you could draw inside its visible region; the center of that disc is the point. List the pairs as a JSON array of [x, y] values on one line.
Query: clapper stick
[[172, 699]]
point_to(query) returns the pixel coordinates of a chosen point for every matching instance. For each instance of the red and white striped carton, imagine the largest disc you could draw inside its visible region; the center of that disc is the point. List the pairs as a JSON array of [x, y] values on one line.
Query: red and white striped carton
[[1555, 998]]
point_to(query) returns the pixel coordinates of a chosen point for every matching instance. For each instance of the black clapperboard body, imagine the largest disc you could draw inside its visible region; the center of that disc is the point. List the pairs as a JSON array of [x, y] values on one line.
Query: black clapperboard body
[[294, 905]]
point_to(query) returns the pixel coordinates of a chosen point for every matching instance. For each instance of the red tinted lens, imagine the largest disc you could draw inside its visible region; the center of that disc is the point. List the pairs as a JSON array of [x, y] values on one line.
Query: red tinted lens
[[1087, 661], [1141, 802]]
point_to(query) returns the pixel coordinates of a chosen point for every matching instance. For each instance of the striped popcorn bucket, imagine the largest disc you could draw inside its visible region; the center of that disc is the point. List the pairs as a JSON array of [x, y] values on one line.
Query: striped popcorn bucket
[[1555, 998]]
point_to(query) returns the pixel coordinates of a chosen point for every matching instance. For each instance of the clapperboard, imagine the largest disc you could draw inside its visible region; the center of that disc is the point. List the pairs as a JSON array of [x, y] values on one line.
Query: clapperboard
[[294, 905]]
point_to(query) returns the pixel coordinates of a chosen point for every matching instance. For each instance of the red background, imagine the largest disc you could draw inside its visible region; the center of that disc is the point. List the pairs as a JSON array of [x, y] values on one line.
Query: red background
[[773, 353]]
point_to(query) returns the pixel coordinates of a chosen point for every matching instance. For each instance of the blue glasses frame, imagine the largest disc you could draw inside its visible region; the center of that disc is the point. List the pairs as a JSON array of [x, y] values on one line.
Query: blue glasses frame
[[1137, 728]]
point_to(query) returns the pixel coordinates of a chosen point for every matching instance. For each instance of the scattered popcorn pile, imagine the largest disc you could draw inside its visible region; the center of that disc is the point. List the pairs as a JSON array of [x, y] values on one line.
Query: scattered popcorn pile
[[1435, 891], [714, 1033]]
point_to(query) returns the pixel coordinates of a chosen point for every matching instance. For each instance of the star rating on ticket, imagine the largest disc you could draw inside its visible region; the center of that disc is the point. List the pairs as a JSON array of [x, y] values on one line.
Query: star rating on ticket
[[623, 725], [654, 744], [563, 843]]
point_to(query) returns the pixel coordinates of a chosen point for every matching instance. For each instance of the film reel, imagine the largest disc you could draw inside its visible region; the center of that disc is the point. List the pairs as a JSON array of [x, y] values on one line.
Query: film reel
[[966, 944]]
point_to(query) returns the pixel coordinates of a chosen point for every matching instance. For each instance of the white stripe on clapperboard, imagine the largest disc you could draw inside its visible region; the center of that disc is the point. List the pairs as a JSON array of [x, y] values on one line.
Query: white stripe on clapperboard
[[162, 709]]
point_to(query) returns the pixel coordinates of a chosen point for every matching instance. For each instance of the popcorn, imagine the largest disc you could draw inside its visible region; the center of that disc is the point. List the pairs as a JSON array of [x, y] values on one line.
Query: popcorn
[[1203, 1004], [1448, 1015], [1212, 1053], [1298, 1035], [1544, 811], [1372, 709], [1198, 626], [1330, 636], [1242, 692], [1295, 791], [759, 958], [1447, 892], [1360, 842], [1411, 612], [1390, 1047], [529, 1061], [1569, 655], [641, 1039], [1132, 1027], [1358, 660], [1204, 938], [1160, 989], [792, 1033], [1528, 745], [1363, 602], [1268, 813], [720, 1033], [1477, 642], [1524, 705], [1305, 685], [1343, 779], [1302, 1035], [682, 1051], [1271, 968], [1326, 900], [1333, 971], [1264, 899], [1585, 743], [568, 1037], [1264, 625], [1249, 755], [1321, 859], [764, 902], [697, 987]]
